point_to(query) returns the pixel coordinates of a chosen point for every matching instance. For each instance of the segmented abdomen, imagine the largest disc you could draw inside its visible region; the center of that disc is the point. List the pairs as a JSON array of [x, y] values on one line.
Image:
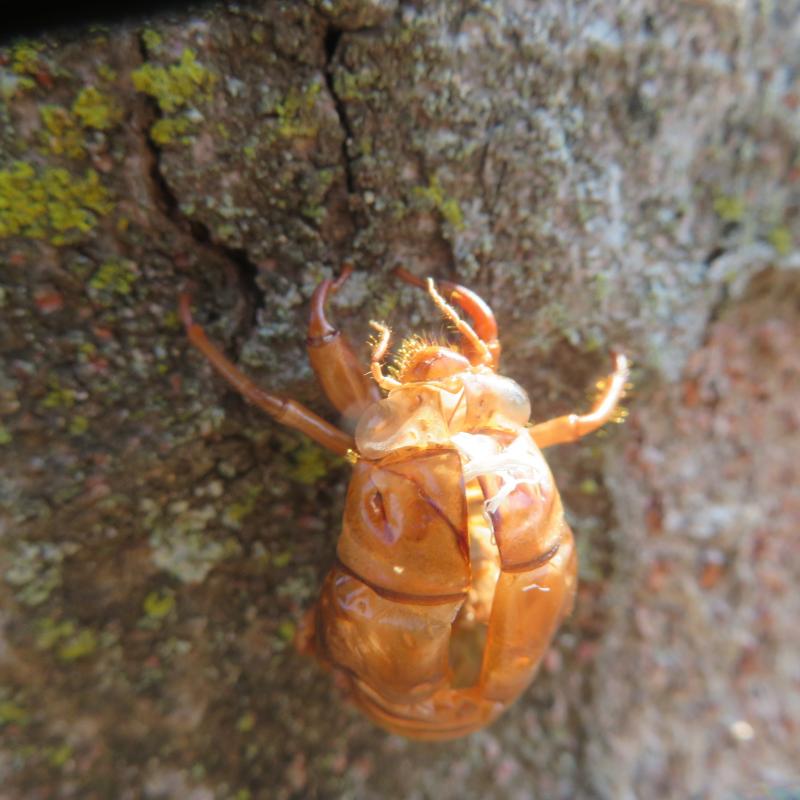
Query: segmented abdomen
[[391, 615]]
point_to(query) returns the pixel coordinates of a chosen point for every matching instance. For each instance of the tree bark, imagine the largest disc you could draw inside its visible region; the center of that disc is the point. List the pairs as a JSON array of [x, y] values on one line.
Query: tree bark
[[606, 175]]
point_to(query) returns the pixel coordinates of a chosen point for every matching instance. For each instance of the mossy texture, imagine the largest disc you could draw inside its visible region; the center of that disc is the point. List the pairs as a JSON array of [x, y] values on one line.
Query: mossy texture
[[606, 175]]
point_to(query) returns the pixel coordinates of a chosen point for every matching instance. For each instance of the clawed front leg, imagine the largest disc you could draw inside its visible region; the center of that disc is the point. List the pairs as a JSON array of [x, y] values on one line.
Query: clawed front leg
[[572, 427], [343, 378], [284, 410]]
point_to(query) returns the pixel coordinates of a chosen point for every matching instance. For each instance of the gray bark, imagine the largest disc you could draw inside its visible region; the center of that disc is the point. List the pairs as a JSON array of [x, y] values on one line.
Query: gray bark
[[607, 175]]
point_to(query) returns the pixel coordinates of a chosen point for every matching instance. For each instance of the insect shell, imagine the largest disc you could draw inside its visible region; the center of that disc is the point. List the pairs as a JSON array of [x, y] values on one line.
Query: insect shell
[[455, 565]]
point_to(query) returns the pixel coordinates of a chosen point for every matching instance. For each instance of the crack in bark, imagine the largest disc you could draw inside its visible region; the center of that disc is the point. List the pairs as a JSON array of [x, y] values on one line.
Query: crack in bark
[[333, 36], [197, 234]]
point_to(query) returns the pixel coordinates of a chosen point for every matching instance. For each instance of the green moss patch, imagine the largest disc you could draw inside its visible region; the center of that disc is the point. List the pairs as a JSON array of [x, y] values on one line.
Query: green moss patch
[[448, 207]]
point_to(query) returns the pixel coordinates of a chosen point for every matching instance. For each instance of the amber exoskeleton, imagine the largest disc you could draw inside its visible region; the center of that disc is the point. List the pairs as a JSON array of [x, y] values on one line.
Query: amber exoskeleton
[[455, 566]]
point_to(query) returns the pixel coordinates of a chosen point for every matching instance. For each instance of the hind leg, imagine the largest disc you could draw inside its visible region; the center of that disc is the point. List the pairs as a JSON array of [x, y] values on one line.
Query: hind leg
[[282, 409]]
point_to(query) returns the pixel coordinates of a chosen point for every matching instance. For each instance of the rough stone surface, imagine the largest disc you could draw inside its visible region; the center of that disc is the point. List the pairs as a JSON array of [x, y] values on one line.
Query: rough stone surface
[[607, 175]]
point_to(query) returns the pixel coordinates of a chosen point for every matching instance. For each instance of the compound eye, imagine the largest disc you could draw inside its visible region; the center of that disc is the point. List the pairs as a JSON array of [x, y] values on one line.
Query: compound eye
[[495, 399]]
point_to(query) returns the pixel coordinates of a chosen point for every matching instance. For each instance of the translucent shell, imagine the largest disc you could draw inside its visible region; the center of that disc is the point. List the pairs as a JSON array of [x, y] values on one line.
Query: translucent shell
[[413, 416], [520, 496], [400, 649], [394, 655], [405, 526], [427, 414], [494, 401], [455, 563]]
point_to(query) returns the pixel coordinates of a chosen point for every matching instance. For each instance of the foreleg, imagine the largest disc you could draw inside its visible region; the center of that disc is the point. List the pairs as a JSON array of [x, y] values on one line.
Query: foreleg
[[343, 378]]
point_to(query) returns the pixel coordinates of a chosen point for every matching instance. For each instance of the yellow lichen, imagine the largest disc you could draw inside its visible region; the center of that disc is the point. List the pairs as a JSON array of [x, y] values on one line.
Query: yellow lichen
[[62, 135], [114, 277], [309, 462], [82, 644], [781, 239], [49, 633], [58, 756], [158, 605], [352, 85], [286, 630], [729, 208], [12, 714], [78, 425], [73, 642], [246, 722], [167, 130], [296, 115], [177, 86], [25, 59], [58, 396], [107, 73], [50, 204], [448, 207], [589, 486], [95, 109], [65, 129], [152, 39], [237, 512]]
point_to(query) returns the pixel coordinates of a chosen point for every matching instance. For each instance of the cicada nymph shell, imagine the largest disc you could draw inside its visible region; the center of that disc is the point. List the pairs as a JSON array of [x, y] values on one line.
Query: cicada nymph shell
[[455, 543], [455, 566]]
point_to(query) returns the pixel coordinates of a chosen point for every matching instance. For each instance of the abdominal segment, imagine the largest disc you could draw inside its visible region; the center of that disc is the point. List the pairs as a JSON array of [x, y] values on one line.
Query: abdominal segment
[[399, 648], [455, 568], [442, 670]]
